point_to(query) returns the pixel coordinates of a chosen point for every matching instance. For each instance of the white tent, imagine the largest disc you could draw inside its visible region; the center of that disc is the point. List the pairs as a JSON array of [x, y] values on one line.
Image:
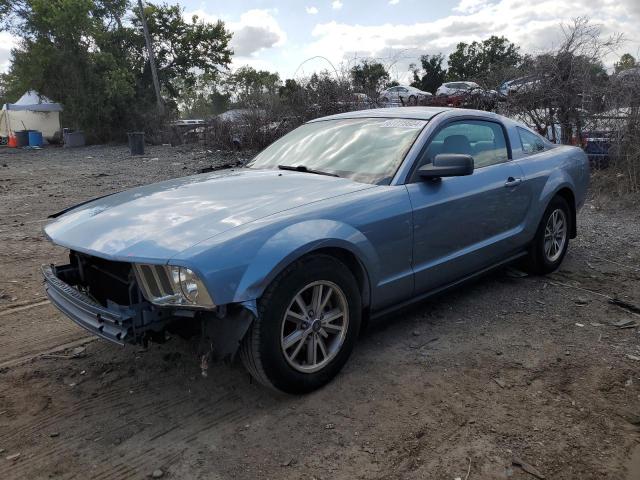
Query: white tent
[[32, 112]]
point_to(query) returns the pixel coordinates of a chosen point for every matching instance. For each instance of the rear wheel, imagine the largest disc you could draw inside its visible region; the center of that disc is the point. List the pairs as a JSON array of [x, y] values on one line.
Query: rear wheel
[[552, 238], [308, 322]]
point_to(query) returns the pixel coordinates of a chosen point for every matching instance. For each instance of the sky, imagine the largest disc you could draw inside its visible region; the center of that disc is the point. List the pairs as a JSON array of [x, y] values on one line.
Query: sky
[[297, 37], [282, 35]]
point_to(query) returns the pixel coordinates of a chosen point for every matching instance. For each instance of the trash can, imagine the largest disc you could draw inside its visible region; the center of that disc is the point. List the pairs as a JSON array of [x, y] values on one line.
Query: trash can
[[73, 139], [22, 138], [136, 143], [35, 138]]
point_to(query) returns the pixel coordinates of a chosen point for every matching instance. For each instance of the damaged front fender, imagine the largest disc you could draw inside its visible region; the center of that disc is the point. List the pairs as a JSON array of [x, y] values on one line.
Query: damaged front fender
[[223, 331]]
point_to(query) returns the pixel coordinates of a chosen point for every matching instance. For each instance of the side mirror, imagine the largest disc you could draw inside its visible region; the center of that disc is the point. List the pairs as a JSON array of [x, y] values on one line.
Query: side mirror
[[448, 165]]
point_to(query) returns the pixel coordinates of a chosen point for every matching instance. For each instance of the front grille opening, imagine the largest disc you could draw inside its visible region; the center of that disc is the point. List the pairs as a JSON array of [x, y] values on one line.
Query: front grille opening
[[104, 280], [164, 280], [149, 280]]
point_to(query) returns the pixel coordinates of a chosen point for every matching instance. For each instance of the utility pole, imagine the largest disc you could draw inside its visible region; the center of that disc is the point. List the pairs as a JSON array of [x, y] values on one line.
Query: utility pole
[[152, 62]]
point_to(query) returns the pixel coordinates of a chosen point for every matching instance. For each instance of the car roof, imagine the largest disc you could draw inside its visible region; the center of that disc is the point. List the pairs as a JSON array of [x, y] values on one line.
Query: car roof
[[421, 113], [413, 113]]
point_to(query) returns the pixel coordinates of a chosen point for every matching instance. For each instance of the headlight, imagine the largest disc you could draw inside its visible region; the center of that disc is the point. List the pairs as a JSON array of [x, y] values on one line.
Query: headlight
[[171, 285]]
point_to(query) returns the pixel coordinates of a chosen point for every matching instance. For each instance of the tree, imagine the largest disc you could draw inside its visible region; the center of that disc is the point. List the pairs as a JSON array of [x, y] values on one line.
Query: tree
[[369, 77], [626, 62], [84, 54], [431, 75], [182, 49], [483, 60], [247, 81], [291, 92], [564, 87], [204, 99]]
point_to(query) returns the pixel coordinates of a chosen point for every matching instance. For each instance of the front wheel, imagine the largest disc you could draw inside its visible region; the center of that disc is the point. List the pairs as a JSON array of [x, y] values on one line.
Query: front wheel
[[307, 326], [552, 238]]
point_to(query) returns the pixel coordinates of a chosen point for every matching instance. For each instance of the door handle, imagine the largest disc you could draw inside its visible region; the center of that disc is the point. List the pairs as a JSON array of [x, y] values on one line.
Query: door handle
[[512, 182]]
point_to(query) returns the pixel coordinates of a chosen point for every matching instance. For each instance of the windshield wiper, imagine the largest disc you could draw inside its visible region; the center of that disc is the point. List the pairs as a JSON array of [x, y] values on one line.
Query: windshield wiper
[[302, 168]]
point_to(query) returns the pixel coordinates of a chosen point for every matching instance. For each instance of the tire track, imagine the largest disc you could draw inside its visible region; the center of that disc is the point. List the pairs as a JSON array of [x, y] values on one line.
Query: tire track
[[23, 307], [188, 426]]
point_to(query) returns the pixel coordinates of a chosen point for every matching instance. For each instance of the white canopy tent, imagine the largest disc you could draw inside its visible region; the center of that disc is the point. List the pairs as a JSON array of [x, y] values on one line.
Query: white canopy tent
[[32, 112]]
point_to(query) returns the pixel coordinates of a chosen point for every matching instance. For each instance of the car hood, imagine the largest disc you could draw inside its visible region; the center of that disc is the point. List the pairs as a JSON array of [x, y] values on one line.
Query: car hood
[[155, 222]]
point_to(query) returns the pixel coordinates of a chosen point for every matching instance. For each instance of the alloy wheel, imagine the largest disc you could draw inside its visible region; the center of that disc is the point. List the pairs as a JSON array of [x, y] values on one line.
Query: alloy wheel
[[314, 326], [555, 235]]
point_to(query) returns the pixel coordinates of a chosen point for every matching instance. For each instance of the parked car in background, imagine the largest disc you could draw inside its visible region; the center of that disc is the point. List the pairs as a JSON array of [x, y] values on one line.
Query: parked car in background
[[518, 85], [186, 130], [403, 94], [453, 88], [236, 127], [465, 94], [603, 133], [363, 99], [596, 145], [345, 218]]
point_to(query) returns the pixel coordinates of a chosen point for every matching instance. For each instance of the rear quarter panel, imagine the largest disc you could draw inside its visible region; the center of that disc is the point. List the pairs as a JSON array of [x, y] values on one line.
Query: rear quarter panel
[[548, 172]]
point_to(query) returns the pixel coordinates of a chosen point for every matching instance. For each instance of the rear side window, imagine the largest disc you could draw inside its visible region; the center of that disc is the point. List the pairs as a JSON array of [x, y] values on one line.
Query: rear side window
[[484, 141], [531, 143]]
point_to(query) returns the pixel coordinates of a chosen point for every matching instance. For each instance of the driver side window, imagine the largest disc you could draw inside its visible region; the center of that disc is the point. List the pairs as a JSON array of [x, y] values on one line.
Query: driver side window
[[484, 141]]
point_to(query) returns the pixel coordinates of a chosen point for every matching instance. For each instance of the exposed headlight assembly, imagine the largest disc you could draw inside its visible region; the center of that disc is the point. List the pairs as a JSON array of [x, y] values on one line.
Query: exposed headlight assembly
[[170, 285]]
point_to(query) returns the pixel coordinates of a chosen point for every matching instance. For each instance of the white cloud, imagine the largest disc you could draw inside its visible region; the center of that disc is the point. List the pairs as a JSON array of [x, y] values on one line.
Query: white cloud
[[336, 4], [394, 2], [7, 42], [256, 30], [470, 6], [312, 10], [535, 26]]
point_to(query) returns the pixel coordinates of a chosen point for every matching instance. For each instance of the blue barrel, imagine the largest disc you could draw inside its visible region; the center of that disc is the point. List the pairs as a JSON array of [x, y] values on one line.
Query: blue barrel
[[35, 138], [22, 138]]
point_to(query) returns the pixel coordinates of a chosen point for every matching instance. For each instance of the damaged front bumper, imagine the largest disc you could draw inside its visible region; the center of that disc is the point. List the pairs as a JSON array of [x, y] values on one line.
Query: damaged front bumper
[[221, 331], [116, 323]]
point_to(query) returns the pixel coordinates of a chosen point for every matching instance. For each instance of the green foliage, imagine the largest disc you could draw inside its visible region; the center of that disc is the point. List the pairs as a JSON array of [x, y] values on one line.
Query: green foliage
[[247, 84], [369, 77], [182, 49], [626, 62], [431, 74], [203, 99], [90, 56], [480, 59]]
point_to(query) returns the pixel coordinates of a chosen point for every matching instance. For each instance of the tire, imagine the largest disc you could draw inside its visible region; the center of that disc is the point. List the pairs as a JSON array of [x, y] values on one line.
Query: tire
[[412, 100], [263, 350], [542, 259]]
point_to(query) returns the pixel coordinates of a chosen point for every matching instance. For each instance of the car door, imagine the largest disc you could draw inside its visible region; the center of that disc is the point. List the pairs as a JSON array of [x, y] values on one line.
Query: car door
[[464, 224], [392, 94]]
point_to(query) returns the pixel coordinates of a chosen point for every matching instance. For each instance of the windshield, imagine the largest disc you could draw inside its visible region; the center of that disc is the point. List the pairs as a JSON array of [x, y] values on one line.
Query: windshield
[[363, 149]]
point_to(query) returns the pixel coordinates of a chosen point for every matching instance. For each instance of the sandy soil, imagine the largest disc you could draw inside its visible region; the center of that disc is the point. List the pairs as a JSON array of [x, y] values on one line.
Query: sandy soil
[[507, 370]]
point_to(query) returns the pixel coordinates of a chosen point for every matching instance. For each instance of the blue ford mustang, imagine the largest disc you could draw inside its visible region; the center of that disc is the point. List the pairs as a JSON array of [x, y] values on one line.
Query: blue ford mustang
[[347, 217]]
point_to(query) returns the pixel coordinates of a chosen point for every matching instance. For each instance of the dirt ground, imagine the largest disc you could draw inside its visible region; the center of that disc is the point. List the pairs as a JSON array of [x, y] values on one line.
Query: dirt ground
[[511, 369]]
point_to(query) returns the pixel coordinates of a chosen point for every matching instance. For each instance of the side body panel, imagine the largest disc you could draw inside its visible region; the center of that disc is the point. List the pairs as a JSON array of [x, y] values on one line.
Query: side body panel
[[464, 224]]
